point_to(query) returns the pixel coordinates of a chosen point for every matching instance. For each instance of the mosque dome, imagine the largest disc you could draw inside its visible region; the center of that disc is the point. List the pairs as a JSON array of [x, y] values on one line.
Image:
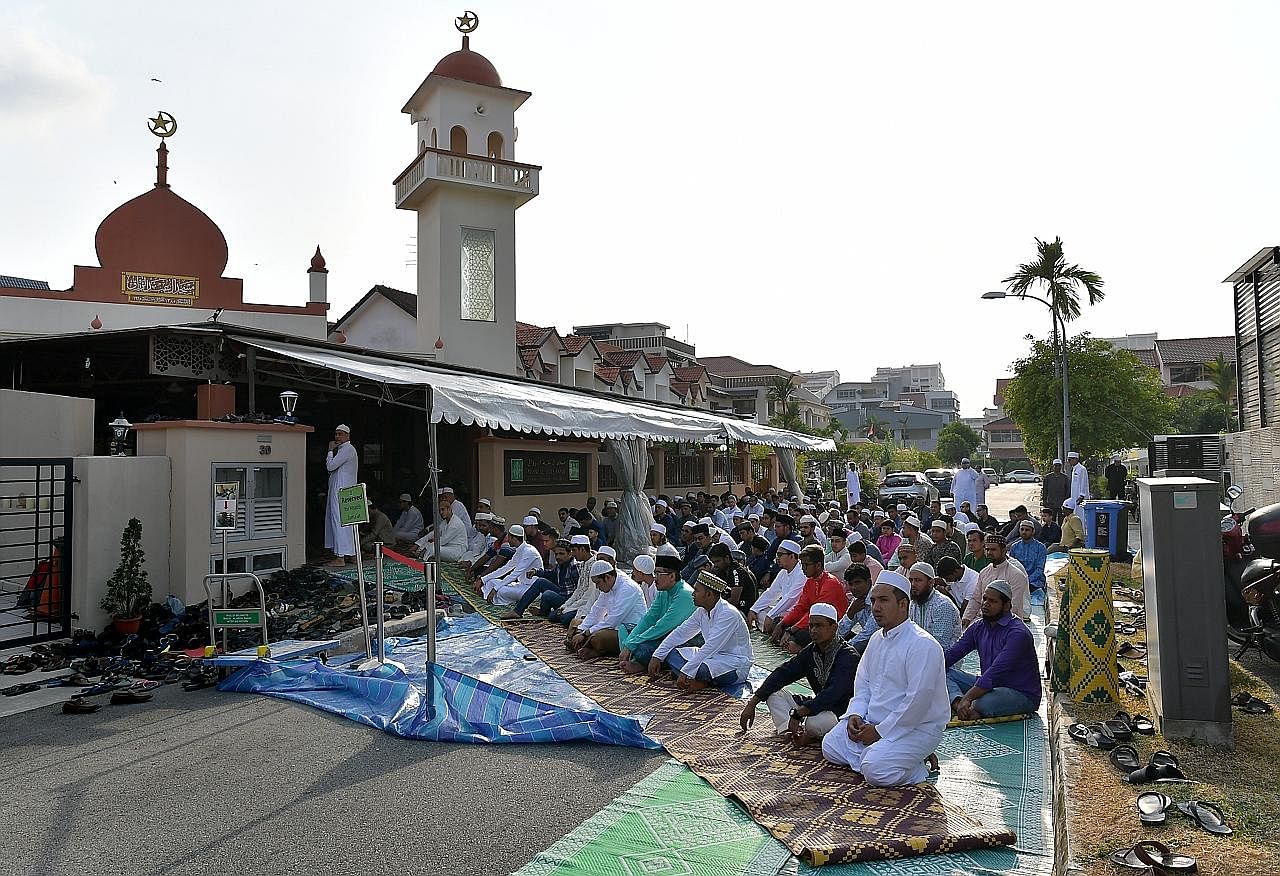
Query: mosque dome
[[162, 231], [468, 66]]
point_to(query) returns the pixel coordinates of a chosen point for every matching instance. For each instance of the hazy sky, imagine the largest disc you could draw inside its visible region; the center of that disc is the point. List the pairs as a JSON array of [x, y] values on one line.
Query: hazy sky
[[810, 185]]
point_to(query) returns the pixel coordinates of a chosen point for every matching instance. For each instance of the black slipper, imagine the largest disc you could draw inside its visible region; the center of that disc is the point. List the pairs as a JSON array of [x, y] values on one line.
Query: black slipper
[[1252, 705], [1120, 729], [1152, 807], [1131, 651], [1093, 735], [1149, 853], [128, 697], [1142, 724], [1207, 816], [80, 706], [1125, 758]]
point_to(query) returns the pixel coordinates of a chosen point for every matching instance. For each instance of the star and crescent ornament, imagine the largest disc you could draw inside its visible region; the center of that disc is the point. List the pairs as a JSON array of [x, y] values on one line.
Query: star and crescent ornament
[[163, 125], [467, 22]]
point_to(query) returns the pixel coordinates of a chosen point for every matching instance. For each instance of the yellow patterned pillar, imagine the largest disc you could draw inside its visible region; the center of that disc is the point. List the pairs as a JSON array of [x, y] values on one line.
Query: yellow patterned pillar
[[1084, 659]]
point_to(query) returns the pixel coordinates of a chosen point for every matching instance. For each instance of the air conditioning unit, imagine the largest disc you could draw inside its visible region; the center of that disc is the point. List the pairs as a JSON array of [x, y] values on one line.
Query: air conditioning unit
[[1187, 456]]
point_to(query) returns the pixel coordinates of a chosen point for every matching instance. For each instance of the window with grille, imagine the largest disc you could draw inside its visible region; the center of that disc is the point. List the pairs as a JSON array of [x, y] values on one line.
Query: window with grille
[[260, 512], [477, 275]]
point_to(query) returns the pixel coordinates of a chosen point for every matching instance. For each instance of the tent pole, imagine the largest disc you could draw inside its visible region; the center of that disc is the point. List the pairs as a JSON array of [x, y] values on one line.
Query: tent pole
[[433, 481]]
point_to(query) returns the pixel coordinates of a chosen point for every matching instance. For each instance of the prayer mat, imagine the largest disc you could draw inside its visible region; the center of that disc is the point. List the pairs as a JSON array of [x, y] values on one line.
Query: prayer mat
[[1084, 656], [997, 719]]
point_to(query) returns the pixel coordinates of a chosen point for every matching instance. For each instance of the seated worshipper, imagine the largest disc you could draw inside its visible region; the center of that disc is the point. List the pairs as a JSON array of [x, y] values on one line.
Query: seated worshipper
[[780, 595], [446, 494], [700, 540], [498, 552], [889, 539], [380, 529], [905, 558], [985, 521], [506, 585], [964, 513], [899, 708], [911, 534], [1028, 551], [758, 559], [1050, 531], [819, 586], [642, 568], [724, 658], [931, 610], [828, 664], [1010, 679], [409, 524], [742, 584], [621, 604], [809, 531], [658, 541], [939, 544], [551, 587], [452, 536], [609, 521], [960, 582], [585, 594], [1001, 568], [857, 584], [1016, 516], [671, 607], [1072, 529], [837, 558]]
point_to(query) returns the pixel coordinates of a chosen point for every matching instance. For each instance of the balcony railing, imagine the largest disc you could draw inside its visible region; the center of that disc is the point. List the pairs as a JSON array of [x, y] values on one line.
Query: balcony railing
[[435, 166], [684, 471], [660, 342]]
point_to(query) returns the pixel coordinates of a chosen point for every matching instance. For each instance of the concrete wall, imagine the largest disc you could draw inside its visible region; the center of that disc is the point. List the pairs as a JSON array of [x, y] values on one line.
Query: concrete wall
[[1253, 458], [113, 489], [381, 325], [43, 425], [32, 317]]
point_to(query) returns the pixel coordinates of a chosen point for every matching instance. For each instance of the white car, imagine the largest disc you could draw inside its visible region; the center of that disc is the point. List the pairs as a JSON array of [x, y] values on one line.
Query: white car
[[1021, 476]]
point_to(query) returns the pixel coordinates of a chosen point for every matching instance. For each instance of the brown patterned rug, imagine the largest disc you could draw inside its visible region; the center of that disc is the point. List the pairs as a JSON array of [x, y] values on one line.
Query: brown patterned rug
[[816, 809]]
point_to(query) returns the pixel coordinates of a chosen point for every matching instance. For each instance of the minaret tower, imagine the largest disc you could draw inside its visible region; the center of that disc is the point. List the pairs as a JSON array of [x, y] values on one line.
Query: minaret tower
[[466, 187]]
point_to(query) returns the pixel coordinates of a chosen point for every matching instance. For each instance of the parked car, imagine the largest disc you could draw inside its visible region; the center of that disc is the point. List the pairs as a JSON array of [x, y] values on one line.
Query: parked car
[[940, 478], [992, 475], [1022, 476], [907, 484]]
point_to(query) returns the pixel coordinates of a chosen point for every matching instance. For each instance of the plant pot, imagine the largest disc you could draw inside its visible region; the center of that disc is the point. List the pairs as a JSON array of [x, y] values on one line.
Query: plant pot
[[126, 626]]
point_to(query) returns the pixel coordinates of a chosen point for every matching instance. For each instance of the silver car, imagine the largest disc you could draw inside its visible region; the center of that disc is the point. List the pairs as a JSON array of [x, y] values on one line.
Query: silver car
[[1021, 476], [904, 484]]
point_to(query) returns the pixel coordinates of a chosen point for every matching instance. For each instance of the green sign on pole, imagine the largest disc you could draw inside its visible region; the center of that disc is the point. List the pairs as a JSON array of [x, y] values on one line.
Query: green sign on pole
[[237, 617], [353, 505]]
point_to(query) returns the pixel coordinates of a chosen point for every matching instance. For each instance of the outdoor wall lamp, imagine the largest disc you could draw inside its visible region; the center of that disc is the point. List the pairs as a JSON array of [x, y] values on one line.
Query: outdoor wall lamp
[[289, 404], [119, 429]]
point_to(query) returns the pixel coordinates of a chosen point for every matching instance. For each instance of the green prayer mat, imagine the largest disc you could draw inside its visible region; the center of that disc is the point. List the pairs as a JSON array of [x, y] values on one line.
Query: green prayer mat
[[395, 576]]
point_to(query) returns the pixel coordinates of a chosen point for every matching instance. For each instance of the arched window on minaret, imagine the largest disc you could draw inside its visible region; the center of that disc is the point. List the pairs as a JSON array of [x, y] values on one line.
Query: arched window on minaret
[[433, 138], [495, 144], [458, 140]]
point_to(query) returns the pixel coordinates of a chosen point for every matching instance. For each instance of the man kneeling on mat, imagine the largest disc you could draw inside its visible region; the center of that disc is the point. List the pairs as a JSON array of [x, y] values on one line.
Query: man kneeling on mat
[[621, 602], [1010, 679], [724, 658], [672, 606]]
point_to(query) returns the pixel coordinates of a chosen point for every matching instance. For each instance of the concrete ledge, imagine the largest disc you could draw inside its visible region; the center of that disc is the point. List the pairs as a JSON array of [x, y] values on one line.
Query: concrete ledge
[[353, 641], [1064, 771]]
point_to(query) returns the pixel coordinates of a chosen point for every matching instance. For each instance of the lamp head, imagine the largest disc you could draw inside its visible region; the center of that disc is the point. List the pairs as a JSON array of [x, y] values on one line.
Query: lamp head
[[288, 402], [995, 295]]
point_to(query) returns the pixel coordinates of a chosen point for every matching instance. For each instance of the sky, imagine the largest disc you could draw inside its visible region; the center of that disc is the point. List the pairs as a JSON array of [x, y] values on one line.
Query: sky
[[818, 186]]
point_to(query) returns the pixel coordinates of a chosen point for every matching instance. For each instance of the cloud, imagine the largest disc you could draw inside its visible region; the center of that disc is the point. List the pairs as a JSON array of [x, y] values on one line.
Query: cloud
[[40, 82]]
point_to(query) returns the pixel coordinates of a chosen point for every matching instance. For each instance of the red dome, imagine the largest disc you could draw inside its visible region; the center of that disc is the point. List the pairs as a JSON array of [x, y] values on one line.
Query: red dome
[[159, 231], [468, 66]]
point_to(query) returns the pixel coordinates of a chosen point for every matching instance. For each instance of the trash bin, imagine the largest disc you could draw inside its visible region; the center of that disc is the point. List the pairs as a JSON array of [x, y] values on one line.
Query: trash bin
[[1106, 526]]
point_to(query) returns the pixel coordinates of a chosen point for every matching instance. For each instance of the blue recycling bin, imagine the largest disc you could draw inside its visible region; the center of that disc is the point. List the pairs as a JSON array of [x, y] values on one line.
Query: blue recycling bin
[[1105, 526]]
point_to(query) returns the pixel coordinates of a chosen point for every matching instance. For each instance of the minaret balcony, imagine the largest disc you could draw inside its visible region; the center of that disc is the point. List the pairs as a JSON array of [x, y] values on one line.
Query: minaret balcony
[[437, 167]]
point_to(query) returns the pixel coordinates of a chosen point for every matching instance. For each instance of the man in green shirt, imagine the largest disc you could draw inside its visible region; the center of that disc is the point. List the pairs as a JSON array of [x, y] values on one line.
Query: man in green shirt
[[672, 606], [976, 558]]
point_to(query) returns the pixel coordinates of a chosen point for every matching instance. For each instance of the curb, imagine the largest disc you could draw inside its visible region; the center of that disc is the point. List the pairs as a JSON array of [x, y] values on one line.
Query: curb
[[1064, 768], [352, 641]]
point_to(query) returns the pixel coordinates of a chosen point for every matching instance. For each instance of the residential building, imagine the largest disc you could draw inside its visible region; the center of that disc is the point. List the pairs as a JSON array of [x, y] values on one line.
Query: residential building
[[911, 378], [1179, 361], [905, 422], [1002, 437], [819, 382], [1253, 453], [649, 337], [742, 388]]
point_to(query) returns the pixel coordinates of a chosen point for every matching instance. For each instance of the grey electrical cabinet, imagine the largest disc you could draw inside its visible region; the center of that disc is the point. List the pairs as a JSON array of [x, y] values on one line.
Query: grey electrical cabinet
[[1189, 681]]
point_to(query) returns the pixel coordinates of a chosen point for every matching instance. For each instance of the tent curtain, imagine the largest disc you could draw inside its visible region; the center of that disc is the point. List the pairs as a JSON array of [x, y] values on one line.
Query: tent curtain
[[787, 468], [630, 459]]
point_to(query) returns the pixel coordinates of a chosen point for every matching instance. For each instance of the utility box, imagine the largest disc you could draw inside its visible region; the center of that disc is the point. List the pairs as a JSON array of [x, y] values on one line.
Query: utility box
[[1189, 680]]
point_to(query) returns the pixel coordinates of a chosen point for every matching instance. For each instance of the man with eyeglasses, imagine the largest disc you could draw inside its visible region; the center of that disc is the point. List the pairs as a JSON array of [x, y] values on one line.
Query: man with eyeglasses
[[672, 605]]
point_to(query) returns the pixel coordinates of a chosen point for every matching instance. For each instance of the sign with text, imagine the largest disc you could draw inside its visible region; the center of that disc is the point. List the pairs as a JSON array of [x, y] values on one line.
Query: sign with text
[[237, 617], [163, 289], [353, 505], [540, 472], [226, 499]]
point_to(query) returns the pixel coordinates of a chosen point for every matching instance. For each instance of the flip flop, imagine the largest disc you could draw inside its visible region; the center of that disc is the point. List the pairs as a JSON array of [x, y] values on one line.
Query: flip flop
[[1119, 729], [1142, 724], [1130, 651], [1241, 699], [1149, 853], [1093, 735], [1153, 807], [1254, 706], [79, 706], [1125, 758], [1162, 767], [1207, 816]]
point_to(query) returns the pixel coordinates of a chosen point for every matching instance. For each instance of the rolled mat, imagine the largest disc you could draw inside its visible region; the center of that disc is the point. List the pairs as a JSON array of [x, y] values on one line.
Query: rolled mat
[[1084, 656]]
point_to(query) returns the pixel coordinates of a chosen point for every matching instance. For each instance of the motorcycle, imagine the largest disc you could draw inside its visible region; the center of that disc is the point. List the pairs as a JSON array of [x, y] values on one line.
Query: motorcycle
[[1131, 499], [1251, 567]]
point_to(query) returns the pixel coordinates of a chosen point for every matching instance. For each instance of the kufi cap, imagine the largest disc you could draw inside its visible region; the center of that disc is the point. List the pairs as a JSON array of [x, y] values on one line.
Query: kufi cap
[[754, 517], [669, 562], [839, 533], [580, 540], [535, 510], [809, 518], [661, 503], [600, 568], [706, 521], [701, 529], [1027, 524], [878, 513], [854, 536], [1073, 455], [688, 524], [1070, 504], [966, 459], [606, 551], [611, 503], [995, 538], [1001, 586], [939, 523], [643, 563], [498, 521], [485, 502], [824, 517], [970, 527], [530, 521], [482, 516], [924, 569], [517, 530], [791, 546], [901, 507], [823, 609], [896, 580], [712, 582], [342, 427], [658, 528], [833, 504], [912, 521], [405, 497], [738, 513], [444, 490], [1057, 462]]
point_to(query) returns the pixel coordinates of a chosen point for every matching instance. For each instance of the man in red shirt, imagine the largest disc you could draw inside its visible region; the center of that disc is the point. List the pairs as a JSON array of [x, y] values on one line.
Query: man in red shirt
[[819, 586]]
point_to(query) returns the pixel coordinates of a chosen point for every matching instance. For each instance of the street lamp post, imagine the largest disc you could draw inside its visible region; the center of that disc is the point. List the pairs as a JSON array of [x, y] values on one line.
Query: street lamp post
[[1060, 350]]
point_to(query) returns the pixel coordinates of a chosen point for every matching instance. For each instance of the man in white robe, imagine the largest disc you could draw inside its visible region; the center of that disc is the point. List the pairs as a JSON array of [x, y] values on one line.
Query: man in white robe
[[900, 703], [853, 483], [725, 656], [452, 534], [459, 510], [505, 586], [621, 603], [409, 524], [1079, 478], [784, 590], [343, 466], [964, 484]]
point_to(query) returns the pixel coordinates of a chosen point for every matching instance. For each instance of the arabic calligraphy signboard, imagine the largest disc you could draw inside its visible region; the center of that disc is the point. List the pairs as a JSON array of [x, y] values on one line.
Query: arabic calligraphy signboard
[[163, 289]]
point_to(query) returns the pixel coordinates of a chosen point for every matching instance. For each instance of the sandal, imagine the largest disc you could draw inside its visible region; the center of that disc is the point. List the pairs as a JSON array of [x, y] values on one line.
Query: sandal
[[1163, 767], [79, 706], [127, 697], [1131, 651], [1251, 705], [1142, 724], [1093, 735], [1149, 853], [1153, 807], [1125, 758], [1207, 816], [14, 690], [1119, 727]]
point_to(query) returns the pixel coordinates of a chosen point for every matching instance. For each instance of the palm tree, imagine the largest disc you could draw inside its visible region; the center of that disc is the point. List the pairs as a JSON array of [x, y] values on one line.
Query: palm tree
[[1222, 374], [786, 410], [1060, 280]]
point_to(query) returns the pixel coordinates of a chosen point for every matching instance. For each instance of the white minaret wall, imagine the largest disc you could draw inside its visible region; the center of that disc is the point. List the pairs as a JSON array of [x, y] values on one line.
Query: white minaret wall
[[453, 102]]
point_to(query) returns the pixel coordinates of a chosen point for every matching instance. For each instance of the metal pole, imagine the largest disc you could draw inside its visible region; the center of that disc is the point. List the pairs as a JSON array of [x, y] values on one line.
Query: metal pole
[[1066, 387], [364, 608], [382, 630], [432, 476], [223, 589], [728, 461]]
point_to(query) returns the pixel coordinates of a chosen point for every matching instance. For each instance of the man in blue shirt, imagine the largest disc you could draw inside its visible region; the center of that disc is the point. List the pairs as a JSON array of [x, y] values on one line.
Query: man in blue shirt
[[553, 586], [857, 583], [1031, 553], [1010, 679]]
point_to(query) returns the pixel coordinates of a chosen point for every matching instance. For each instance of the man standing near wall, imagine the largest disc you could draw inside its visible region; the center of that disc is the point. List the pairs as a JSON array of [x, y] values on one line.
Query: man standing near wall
[[343, 465]]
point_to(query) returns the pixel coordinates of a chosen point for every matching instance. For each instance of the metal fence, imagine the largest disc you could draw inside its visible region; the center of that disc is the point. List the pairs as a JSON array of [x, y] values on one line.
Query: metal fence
[[607, 478], [35, 550], [684, 471]]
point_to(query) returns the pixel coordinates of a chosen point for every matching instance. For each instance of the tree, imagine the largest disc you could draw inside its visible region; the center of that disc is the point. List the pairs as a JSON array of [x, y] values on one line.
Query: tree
[[786, 410], [128, 591], [956, 441], [877, 428], [1221, 372], [1060, 280], [1200, 413], [1116, 401]]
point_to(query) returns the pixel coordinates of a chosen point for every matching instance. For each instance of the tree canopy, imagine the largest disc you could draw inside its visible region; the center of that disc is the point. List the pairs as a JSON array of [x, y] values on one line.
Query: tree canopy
[[1116, 401], [956, 441], [1200, 413]]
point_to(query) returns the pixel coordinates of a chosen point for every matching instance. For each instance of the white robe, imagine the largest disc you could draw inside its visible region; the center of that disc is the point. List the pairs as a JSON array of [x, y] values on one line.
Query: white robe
[[854, 484], [964, 486], [453, 541], [508, 583], [622, 605], [343, 465], [901, 688], [1080, 482], [780, 590], [726, 642]]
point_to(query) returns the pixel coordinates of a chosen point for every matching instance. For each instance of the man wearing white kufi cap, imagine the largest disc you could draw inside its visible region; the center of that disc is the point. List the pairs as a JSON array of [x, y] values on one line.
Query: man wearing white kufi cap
[[900, 704], [343, 466], [506, 585], [620, 604], [446, 494]]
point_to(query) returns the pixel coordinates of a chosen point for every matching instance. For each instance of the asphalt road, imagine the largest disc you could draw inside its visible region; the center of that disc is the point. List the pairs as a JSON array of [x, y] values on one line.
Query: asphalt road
[[226, 783]]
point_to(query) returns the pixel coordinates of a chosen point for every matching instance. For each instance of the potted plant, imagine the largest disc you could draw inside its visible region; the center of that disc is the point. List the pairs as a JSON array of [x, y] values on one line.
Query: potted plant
[[128, 590]]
